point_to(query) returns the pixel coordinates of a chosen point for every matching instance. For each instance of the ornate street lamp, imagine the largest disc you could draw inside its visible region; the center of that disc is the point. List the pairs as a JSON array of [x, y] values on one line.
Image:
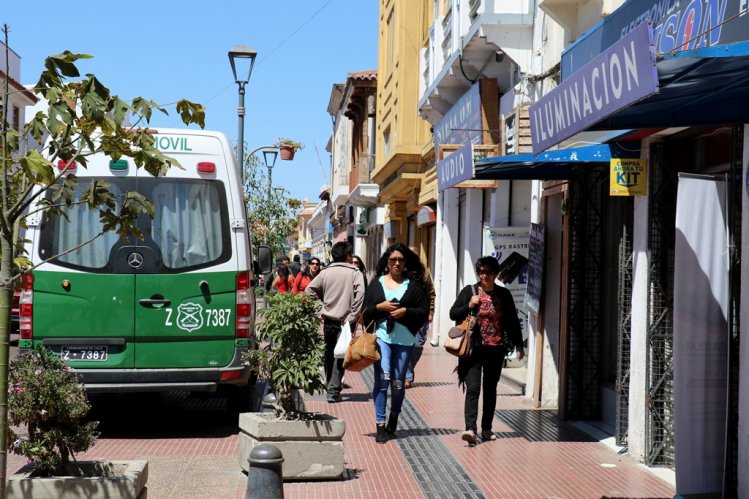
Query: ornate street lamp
[[242, 59]]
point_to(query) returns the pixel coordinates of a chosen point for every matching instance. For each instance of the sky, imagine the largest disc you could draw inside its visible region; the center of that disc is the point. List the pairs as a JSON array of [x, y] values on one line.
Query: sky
[[166, 50]]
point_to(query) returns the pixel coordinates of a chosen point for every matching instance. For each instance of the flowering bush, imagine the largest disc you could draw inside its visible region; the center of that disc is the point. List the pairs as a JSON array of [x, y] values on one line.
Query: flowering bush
[[292, 351], [44, 397]]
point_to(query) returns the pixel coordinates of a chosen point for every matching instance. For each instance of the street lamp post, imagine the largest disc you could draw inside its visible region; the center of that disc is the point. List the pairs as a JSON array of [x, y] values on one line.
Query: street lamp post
[[242, 56], [269, 156]]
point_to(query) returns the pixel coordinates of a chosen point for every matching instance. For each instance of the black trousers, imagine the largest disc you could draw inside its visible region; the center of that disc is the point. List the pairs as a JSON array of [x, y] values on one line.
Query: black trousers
[[333, 367], [489, 360]]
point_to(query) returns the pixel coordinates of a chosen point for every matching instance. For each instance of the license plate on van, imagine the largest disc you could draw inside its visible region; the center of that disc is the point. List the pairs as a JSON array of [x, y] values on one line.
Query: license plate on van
[[85, 353]]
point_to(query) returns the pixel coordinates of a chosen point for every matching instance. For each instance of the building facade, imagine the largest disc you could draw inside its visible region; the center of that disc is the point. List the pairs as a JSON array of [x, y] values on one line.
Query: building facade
[[404, 167]]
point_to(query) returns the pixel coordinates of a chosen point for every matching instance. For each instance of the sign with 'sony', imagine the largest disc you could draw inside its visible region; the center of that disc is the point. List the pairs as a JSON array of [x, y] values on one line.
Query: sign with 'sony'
[[622, 75], [629, 177]]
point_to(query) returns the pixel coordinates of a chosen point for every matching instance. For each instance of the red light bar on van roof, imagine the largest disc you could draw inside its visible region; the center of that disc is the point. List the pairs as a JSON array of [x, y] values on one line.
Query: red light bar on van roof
[[61, 164], [206, 167]]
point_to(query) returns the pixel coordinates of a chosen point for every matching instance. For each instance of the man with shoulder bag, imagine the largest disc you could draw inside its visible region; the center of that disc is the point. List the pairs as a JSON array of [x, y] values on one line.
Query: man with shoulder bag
[[340, 287]]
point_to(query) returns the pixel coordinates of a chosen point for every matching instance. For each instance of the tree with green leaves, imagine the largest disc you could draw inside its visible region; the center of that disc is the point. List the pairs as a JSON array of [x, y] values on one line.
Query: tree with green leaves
[[82, 118], [270, 216]]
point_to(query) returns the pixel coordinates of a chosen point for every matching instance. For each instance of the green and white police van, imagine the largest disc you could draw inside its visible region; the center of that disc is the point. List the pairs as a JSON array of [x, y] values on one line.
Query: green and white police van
[[174, 311]]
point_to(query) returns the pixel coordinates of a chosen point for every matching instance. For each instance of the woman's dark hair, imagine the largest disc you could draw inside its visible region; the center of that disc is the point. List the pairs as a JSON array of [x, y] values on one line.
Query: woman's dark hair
[[489, 262], [284, 272], [413, 268], [360, 266]]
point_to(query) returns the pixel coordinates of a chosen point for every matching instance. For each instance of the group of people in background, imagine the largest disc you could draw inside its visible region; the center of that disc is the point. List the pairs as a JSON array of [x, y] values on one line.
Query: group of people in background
[[397, 306]]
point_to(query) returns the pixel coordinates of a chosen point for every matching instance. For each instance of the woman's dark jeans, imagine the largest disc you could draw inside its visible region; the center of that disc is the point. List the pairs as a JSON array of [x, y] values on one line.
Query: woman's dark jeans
[[490, 360]]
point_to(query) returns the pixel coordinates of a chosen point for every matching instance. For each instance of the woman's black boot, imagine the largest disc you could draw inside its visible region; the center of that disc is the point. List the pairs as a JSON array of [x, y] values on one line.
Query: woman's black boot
[[392, 423], [381, 436]]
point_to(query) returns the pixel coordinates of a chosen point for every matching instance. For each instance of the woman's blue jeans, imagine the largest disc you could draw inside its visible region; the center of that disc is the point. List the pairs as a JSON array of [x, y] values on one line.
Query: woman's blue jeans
[[390, 370]]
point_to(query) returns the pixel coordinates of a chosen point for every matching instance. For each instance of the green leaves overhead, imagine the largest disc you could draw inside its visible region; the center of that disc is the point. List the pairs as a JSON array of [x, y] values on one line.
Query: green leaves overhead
[[64, 63], [82, 118], [37, 168], [191, 112]]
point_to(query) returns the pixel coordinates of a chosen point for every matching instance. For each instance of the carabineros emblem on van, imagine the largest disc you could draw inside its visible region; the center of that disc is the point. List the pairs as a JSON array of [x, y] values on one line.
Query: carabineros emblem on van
[[190, 316]]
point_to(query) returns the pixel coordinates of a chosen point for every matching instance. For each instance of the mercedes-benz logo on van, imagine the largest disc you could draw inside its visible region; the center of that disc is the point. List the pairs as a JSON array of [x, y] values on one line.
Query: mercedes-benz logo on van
[[135, 260]]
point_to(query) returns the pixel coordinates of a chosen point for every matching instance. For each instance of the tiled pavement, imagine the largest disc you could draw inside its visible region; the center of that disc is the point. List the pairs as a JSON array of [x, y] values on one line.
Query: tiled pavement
[[534, 455]]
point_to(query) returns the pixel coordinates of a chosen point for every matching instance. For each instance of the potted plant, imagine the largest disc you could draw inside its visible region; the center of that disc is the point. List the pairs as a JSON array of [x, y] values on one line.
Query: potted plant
[[47, 409], [290, 357], [288, 147]]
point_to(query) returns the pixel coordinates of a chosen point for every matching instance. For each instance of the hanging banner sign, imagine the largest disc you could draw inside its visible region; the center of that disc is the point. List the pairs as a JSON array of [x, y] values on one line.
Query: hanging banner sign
[[622, 75], [629, 177], [461, 124], [455, 168]]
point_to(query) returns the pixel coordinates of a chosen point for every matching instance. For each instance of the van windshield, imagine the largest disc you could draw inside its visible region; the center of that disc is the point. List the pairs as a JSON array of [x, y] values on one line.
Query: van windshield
[[190, 228]]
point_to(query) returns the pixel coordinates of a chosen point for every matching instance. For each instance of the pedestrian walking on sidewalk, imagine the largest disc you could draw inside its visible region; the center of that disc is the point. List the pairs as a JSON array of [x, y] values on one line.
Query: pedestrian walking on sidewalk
[[283, 281], [497, 330], [397, 301], [421, 335], [305, 276], [340, 287]]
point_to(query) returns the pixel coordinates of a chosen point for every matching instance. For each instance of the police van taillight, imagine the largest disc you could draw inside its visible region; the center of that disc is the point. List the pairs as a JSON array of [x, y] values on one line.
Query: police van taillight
[[244, 305], [26, 307]]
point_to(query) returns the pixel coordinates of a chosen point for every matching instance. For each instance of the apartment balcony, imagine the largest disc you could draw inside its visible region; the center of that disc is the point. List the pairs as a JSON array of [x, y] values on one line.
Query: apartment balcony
[[577, 16], [340, 194], [490, 39], [364, 195]]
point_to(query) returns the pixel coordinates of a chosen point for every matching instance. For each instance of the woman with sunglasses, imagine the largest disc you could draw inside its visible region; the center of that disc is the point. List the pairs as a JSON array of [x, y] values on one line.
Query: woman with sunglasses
[[397, 302], [497, 329], [305, 276]]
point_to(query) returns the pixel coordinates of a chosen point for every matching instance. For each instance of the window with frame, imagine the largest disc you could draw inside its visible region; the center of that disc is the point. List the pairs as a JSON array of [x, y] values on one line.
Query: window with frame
[[190, 228]]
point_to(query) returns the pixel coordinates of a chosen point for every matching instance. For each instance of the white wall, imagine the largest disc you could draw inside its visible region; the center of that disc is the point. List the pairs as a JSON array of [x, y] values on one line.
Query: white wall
[[445, 262], [472, 239], [341, 161], [638, 389]]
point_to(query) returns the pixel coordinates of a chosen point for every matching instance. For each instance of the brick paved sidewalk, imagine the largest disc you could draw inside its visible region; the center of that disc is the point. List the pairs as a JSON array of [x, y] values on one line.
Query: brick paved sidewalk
[[535, 455]]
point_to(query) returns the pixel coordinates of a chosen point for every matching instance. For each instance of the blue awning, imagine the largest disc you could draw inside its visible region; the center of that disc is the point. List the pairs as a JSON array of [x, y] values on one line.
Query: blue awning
[[705, 86], [553, 165]]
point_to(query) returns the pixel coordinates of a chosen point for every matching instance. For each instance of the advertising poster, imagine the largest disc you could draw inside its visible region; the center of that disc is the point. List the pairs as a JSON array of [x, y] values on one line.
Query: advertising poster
[[536, 257], [701, 309], [629, 177], [509, 245]]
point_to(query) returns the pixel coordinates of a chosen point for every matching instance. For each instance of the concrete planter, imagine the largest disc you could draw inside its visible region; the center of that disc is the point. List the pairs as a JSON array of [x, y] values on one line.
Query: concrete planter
[[110, 479], [312, 450]]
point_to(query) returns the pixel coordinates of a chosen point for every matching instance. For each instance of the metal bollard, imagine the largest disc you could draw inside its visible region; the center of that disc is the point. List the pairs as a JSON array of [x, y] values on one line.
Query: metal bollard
[[265, 478]]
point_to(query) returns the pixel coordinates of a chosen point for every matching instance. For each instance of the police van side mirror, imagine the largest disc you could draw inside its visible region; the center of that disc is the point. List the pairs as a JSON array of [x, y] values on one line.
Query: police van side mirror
[[264, 260]]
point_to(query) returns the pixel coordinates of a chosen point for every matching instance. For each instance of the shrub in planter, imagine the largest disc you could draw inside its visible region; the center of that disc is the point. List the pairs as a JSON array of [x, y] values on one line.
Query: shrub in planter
[[45, 398], [291, 350]]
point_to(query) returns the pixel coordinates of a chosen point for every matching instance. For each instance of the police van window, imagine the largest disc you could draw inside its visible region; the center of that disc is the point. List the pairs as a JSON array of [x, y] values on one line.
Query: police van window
[[81, 233], [190, 228], [187, 224]]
